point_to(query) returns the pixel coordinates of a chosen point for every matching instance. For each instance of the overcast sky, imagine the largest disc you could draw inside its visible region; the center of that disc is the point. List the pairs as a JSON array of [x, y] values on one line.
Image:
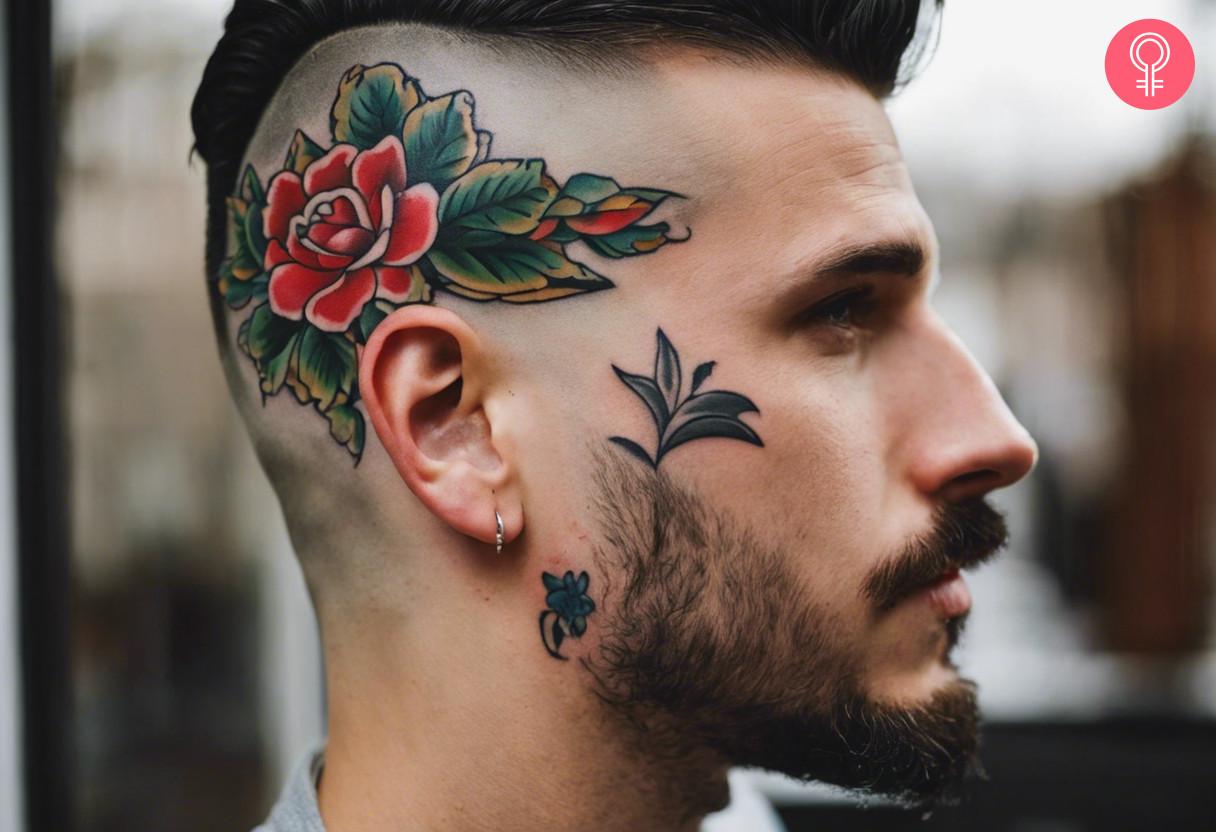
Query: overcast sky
[[1016, 95]]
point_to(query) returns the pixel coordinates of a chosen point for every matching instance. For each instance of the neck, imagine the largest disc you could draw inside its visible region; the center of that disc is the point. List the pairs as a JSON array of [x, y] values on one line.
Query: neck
[[483, 730]]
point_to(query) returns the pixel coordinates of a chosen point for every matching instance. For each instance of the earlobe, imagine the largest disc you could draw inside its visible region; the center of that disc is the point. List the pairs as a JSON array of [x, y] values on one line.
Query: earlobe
[[421, 383]]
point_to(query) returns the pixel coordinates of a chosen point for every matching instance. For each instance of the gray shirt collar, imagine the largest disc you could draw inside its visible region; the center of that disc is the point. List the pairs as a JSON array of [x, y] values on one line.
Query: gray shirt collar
[[296, 809]]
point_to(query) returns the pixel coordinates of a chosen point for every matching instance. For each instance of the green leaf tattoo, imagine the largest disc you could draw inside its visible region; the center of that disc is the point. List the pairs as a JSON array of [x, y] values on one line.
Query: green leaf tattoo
[[301, 153], [440, 135], [568, 608], [327, 367], [320, 263], [508, 197], [271, 342], [372, 103], [696, 416]]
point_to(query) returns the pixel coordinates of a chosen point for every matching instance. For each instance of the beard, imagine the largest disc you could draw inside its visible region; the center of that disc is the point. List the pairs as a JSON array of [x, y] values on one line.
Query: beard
[[708, 641]]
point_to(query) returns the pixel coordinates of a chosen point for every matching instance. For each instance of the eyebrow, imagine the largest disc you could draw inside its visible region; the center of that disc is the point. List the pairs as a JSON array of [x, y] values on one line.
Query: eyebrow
[[898, 257]]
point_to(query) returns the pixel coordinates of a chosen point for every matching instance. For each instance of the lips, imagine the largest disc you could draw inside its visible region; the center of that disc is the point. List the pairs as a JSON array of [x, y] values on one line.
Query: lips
[[948, 595], [962, 536]]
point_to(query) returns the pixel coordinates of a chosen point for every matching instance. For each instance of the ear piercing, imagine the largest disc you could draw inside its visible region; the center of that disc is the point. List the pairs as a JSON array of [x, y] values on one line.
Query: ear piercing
[[498, 532]]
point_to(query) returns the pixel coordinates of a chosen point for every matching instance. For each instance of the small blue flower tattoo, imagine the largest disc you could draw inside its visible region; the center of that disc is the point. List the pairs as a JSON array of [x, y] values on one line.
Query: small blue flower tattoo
[[568, 609]]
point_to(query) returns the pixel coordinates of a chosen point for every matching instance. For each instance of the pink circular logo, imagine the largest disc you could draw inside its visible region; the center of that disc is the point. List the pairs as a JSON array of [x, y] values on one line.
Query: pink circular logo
[[1150, 64]]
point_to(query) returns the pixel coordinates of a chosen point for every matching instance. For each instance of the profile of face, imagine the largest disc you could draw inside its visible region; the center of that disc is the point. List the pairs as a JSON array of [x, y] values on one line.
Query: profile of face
[[789, 594], [738, 465]]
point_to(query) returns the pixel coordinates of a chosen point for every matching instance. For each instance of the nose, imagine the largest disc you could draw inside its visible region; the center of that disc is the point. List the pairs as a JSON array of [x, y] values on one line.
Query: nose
[[964, 440]]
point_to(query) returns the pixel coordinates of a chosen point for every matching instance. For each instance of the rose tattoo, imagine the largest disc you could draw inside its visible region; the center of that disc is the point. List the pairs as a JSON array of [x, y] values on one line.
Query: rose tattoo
[[404, 201]]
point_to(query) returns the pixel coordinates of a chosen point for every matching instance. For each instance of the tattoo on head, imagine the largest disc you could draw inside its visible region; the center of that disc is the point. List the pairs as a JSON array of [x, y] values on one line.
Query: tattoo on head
[[568, 609], [696, 416], [405, 201]]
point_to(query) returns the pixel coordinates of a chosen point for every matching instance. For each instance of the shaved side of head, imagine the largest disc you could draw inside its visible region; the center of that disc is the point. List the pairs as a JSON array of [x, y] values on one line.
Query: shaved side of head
[[615, 132], [607, 120]]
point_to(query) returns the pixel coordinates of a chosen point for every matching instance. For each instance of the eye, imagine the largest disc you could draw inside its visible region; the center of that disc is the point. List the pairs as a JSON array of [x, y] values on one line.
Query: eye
[[840, 310]]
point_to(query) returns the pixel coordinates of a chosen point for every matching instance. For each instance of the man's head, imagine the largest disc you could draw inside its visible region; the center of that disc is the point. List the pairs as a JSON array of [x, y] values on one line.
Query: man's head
[[649, 283]]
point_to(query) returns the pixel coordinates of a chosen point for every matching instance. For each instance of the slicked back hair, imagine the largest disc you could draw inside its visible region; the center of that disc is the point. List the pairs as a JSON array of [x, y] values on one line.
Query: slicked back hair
[[873, 42]]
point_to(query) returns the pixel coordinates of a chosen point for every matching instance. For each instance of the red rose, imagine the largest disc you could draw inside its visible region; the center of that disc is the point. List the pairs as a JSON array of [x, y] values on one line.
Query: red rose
[[346, 233]]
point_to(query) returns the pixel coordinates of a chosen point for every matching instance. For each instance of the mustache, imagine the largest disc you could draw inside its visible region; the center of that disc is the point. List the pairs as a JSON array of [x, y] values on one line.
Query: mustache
[[962, 536]]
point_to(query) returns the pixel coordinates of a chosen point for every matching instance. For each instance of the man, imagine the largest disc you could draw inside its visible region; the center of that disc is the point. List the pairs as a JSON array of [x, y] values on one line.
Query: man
[[590, 351]]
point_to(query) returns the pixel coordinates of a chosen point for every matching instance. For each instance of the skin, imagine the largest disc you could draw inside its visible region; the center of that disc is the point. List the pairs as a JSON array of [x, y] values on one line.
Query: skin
[[445, 711]]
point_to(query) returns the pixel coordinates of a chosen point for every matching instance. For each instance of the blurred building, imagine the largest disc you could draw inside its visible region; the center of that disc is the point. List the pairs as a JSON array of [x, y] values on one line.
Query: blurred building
[[182, 591]]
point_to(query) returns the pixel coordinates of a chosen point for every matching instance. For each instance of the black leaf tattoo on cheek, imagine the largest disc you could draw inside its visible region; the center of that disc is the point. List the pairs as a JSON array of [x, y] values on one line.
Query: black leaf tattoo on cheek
[[697, 416]]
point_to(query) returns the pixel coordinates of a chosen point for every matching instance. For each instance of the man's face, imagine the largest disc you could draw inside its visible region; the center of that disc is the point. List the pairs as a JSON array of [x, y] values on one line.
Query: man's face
[[745, 581]]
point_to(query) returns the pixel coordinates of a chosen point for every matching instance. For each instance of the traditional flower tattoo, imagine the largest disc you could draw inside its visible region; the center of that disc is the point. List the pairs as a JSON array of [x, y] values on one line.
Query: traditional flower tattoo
[[697, 416], [405, 201], [568, 609]]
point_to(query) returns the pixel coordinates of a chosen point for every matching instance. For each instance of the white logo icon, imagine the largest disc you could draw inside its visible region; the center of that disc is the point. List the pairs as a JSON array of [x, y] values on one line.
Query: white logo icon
[[1150, 83]]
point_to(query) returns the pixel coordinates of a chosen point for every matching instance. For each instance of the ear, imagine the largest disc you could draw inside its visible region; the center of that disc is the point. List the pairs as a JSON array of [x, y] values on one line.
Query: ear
[[423, 382]]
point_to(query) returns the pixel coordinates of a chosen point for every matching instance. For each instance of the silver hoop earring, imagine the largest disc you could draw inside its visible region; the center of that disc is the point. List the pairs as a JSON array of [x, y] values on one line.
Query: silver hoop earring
[[498, 532]]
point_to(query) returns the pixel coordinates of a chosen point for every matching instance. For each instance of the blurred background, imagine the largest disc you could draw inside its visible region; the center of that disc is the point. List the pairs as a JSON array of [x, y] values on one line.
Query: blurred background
[[158, 657]]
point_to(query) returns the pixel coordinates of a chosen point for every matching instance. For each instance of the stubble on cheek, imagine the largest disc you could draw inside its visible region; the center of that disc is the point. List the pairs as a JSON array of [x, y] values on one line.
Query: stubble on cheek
[[710, 644], [701, 615]]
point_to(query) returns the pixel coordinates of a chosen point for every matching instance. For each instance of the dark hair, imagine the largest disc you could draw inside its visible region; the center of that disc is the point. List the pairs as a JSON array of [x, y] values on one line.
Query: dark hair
[[863, 39]]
